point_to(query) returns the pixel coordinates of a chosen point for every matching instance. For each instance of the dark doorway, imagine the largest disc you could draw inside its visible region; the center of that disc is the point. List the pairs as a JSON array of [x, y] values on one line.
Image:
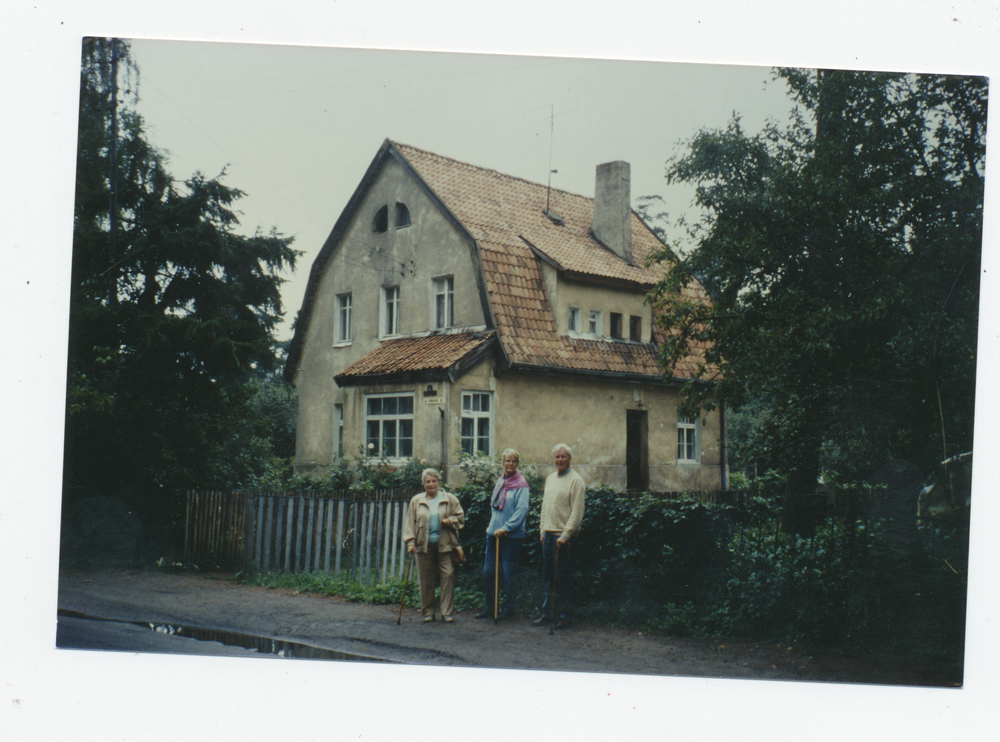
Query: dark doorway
[[636, 451]]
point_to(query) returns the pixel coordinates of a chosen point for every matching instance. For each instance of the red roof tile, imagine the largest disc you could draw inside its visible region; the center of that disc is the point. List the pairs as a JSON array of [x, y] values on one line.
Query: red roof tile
[[504, 214], [424, 354]]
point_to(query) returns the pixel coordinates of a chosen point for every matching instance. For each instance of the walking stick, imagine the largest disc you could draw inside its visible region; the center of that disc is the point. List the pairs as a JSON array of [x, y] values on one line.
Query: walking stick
[[555, 583], [496, 582], [405, 583]]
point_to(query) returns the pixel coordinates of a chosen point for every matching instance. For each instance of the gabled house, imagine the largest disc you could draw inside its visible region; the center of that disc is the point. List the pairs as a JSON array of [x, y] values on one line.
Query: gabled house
[[456, 308]]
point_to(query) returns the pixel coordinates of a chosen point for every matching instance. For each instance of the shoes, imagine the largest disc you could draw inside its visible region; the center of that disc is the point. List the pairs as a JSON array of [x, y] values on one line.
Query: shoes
[[541, 621], [504, 615], [428, 619], [564, 623], [448, 619], [485, 613]]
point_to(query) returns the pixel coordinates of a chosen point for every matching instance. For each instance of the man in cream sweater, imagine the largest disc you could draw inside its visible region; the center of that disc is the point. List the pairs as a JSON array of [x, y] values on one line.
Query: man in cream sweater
[[562, 514]]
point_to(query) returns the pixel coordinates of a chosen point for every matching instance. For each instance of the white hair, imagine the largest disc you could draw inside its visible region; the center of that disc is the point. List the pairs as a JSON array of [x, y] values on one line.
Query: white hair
[[562, 447], [510, 452], [430, 472]]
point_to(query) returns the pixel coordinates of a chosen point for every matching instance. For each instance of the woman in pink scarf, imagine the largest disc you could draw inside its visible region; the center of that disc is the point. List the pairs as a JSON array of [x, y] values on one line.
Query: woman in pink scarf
[[509, 506]]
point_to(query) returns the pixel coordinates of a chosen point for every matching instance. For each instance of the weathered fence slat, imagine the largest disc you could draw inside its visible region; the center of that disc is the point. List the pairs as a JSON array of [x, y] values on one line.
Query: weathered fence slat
[[386, 540], [289, 516], [340, 537], [299, 531]]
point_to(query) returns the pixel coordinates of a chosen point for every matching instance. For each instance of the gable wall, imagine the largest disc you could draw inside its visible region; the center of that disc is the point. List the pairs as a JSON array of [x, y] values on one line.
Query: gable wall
[[362, 263]]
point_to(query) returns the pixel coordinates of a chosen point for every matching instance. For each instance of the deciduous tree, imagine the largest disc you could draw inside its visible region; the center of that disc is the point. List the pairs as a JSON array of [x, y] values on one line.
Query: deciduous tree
[[842, 255], [172, 308]]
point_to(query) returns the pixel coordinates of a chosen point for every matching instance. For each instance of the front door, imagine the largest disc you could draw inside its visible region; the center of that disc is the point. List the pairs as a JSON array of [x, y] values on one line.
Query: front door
[[636, 451]]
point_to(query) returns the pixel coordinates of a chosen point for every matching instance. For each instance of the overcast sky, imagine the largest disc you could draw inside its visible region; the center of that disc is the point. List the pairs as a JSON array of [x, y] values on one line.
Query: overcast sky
[[298, 134], [296, 127]]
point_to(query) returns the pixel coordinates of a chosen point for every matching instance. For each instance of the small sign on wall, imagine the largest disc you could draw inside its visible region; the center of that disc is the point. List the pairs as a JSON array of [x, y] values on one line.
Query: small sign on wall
[[434, 400]]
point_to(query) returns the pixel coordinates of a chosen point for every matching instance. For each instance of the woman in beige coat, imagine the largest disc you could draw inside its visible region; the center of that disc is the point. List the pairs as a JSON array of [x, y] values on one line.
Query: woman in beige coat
[[431, 532]]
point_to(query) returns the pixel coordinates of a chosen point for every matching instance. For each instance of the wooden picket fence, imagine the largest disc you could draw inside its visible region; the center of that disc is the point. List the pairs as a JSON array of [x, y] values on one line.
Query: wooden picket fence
[[345, 532]]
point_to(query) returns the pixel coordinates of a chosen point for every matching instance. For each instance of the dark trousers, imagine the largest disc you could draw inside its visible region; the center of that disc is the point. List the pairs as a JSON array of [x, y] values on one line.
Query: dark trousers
[[563, 580], [510, 557]]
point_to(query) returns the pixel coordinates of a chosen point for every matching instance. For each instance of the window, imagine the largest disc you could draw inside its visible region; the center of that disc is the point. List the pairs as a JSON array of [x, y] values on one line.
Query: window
[[616, 326], [476, 422], [596, 325], [343, 333], [635, 329], [381, 222], [390, 310], [444, 302], [687, 435], [338, 431], [389, 425], [574, 319], [402, 215]]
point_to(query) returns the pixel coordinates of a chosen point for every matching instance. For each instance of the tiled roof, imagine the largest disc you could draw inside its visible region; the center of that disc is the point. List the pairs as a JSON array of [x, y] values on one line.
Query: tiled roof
[[504, 214], [430, 354]]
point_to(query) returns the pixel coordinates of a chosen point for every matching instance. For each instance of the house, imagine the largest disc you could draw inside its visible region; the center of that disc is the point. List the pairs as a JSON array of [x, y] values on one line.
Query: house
[[456, 308]]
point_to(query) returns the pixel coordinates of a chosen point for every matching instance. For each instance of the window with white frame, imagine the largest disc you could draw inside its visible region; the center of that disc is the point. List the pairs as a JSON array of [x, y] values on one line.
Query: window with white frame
[[389, 425], [390, 310], [477, 422], [687, 438], [444, 302], [595, 326], [338, 431], [574, 319], [343, 333]]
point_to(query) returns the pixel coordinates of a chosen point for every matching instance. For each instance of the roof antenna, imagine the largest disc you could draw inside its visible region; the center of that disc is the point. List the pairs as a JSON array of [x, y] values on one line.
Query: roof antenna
[[556, 219]]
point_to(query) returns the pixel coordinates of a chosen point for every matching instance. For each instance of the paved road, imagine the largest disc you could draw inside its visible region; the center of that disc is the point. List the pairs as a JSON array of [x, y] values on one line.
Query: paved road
[[330, 624]]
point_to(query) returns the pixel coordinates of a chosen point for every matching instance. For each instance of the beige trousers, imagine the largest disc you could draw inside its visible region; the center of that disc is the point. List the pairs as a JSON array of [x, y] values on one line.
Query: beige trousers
[[436, 568]]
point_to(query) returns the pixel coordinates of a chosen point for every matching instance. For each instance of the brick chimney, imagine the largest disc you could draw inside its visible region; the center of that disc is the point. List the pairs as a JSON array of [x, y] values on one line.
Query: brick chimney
[[613, 208]]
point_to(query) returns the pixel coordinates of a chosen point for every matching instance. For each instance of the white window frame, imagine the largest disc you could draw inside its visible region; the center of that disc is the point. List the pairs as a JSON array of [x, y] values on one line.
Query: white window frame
[[470, 400], [444, 302], [573, 320], [338, 432], [687, 440], [342, 334], [389, 312], [390, 426], [595, 323]]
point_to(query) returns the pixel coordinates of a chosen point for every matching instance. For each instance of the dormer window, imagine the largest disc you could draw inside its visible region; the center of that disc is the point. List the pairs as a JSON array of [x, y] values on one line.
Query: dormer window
[[574, 319], [381, 222], [616, 326], [596, 324], [635, 329], [402, 215]]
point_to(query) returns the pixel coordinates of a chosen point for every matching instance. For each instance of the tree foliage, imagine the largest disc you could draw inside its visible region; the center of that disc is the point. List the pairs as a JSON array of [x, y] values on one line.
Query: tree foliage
[[842, 255], [172, 309]]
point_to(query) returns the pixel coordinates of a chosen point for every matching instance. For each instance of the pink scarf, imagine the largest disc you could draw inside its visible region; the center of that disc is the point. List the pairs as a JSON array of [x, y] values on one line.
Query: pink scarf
[[513, 482]]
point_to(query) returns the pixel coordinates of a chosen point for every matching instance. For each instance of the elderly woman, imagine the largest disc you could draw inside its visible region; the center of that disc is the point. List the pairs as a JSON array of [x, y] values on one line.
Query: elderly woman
[[508, 509], [431, 531]]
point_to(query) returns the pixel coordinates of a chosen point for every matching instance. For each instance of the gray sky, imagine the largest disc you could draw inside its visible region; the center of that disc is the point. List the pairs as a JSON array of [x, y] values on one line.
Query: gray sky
[[88, 695], [296, 127]]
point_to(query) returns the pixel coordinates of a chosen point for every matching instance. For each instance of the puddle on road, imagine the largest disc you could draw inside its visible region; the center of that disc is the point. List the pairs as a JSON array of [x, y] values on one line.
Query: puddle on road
[[261, 644]]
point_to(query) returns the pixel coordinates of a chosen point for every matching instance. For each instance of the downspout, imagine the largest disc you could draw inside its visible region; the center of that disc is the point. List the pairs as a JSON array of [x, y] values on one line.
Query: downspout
[[725, 445], [445, 406]]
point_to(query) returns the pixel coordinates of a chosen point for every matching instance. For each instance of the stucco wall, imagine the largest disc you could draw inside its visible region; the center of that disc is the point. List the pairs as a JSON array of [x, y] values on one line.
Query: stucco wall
[[364, 262], [606, 300], [535, 412]]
